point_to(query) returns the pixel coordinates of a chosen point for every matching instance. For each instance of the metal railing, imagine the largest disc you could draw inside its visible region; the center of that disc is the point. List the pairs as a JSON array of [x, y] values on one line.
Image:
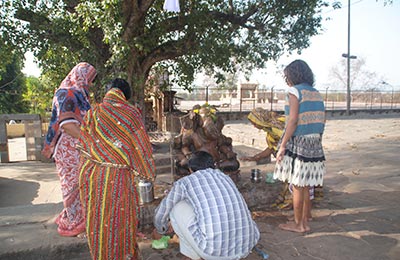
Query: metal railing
[[226, 100]]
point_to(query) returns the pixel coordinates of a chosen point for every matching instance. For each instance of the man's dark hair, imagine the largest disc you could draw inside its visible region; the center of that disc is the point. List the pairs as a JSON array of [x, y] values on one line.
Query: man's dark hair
[[200, 160], [122, 84]]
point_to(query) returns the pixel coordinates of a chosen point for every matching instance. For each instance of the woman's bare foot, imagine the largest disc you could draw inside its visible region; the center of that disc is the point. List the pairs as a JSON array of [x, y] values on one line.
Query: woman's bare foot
[[293, 227], [82, 235]]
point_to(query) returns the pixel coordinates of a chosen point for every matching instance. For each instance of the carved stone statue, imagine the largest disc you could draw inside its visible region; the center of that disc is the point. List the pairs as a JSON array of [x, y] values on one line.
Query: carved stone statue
[[202, 130]]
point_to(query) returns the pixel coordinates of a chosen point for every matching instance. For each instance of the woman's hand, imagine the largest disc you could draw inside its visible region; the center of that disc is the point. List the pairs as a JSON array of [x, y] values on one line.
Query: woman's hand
[[156, 236], [170, 230], [73, 129], [280, 154]]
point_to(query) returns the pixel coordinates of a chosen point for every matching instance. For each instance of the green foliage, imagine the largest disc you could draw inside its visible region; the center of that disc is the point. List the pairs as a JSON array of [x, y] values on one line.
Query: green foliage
[[228, 81], [12, 85], [128, 38], [38, 95]]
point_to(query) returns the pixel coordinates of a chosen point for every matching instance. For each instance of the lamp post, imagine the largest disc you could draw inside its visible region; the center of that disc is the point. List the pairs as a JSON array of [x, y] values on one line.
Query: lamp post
[[348, 56]]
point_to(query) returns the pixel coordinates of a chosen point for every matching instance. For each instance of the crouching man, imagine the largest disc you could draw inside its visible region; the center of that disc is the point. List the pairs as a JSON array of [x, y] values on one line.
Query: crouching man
[[208, 213]]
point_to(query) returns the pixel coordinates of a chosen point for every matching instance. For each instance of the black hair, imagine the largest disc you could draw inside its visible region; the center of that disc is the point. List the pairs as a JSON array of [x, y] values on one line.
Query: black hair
[[298, 72], [200, 160], [121, 84]]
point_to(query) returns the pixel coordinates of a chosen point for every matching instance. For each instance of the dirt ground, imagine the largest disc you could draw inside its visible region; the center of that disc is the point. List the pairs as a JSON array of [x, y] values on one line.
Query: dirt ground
[[358, 216]]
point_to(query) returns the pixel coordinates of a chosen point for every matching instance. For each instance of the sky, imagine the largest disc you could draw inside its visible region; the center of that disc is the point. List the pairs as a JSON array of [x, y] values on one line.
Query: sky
[[374, 36]]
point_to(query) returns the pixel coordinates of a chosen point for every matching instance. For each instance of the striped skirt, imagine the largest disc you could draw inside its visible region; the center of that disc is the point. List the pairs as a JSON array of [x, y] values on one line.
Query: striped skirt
[[111, 205]]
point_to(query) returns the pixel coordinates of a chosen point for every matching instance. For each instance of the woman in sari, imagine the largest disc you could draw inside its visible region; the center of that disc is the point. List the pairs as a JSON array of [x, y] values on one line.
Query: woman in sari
[[272, 124], [70, 104], [115, 151]]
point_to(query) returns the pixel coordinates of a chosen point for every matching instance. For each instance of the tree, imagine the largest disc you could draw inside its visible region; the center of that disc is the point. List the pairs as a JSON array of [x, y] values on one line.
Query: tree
[[360, 77], [128, 38], [12, 85], [38, 95], [362, 80], [228, 81]]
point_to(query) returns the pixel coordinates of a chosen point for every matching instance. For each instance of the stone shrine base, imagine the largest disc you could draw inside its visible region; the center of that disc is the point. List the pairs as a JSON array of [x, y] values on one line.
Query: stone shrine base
[[258, 195]]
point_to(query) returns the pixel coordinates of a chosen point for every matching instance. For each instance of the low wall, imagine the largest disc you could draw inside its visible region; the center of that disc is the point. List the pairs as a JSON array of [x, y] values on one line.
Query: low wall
[[18, 130], [362, 113], [32, 131], [330, 114]]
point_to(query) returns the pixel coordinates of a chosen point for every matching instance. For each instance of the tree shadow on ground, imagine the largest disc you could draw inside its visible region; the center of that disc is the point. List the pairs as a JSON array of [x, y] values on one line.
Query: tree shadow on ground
[[9, 195]]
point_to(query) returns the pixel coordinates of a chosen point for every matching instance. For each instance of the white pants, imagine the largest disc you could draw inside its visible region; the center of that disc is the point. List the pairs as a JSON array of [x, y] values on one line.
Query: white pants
[[181, 216]]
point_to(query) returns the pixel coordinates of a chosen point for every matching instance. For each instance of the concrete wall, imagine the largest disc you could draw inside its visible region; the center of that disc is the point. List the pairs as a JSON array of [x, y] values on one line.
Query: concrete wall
[[362, 113], [18, 130], [32, 132]]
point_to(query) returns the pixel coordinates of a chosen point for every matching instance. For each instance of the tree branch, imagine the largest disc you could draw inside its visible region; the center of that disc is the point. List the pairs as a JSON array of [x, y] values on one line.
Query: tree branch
[[145, 5], [235, 19], [230, 6], [171, 24], [70, 5], [168, 51], [43, 25], [134, 13], [177, 23], [174, 49]]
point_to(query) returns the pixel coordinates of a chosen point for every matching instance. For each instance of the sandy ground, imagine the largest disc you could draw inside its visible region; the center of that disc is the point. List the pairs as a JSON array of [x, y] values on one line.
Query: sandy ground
[[358, 217]]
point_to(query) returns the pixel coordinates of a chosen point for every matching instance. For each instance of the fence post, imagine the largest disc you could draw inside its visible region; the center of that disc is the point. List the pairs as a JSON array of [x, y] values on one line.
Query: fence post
[[4, 156], [391, 103], [326, 97], [272, 96], [240, 99]]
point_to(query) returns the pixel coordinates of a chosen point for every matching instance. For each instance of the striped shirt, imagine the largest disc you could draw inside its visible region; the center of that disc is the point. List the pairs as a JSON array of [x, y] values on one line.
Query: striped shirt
[[311, 118], [223, 226]]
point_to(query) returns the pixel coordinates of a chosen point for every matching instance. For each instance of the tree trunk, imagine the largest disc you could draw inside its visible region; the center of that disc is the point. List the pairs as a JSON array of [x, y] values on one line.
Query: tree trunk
[[137, 79]]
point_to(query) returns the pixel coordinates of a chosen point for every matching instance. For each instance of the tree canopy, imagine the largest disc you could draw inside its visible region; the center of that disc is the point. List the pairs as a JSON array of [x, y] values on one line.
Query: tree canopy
[[12, 85], [130, 38], [38, 95]]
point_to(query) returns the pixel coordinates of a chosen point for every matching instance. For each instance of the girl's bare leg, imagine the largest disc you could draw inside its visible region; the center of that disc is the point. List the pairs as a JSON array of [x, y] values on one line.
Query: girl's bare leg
[[298, 208], [306, 208]]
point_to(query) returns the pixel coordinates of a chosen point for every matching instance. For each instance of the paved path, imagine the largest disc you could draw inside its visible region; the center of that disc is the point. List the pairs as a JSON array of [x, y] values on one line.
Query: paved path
[[358, 218]]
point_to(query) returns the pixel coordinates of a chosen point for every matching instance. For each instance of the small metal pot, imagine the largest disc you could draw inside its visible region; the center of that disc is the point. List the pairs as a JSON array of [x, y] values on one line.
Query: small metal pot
[[256, 175], [146, 191]]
